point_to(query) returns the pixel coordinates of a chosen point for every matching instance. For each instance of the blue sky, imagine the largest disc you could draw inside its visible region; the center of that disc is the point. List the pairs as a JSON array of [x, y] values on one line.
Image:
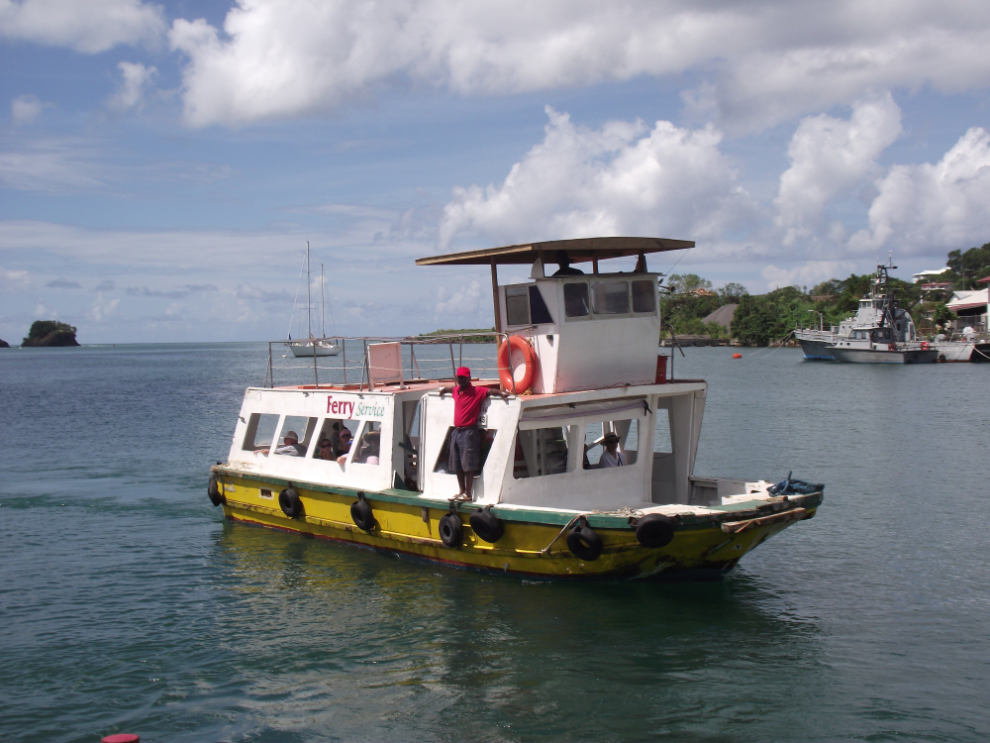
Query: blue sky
[[163, 165]]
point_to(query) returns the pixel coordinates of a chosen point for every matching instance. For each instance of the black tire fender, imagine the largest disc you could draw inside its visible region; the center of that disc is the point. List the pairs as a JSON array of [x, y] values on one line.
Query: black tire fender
[[290, 503], [451, 530], [583, 542], [655, 530], [361, 514], [487, 525], [213, 490]]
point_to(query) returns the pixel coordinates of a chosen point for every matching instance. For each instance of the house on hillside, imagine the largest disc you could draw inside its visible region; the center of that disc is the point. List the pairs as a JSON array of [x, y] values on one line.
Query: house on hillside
[[723, 315], [971, 307]]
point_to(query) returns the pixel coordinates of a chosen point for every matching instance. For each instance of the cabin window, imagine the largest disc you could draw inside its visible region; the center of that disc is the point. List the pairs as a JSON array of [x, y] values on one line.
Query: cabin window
[[443, 459], [368, 444], [302, 428], [541, 451], [576, 300], [341, 434], [626, 430], [517, 305], [539, 311], [644, 296], [610, 297], [260, 432], [524, 305]]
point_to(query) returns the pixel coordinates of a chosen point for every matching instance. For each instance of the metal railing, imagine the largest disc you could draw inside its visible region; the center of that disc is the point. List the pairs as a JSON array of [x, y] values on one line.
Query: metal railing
[[409, 361]]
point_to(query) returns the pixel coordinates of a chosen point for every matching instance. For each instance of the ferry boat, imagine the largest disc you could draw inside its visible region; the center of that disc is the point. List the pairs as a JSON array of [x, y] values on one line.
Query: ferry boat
[[540, 506]]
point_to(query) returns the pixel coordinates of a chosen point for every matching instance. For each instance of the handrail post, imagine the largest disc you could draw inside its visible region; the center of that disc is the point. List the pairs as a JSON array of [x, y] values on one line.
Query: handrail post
[[414, 364], [453, 366], [343, 352], [365, 368], [269, 373], [316, 374]]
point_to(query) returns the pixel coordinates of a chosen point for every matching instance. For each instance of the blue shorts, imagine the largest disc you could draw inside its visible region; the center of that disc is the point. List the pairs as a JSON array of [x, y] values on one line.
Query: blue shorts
[[465, 450]]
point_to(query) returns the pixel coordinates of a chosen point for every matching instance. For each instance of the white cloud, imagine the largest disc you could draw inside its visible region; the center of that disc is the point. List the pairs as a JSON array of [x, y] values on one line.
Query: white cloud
[[763, 62], [136, 79], [88, 26], [808, 274], [13, 280], [929, 208], [829, 157], [24, 109], [623, 179], [464, 302], [53, 165], [102, 308]]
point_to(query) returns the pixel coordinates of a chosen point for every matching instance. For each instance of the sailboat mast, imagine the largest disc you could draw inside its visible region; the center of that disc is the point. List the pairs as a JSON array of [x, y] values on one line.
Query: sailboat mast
[[309, 303]]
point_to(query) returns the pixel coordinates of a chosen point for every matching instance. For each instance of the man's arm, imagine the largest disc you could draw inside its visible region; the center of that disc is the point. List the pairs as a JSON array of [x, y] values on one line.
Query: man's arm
[[445, 390], [501, 393]]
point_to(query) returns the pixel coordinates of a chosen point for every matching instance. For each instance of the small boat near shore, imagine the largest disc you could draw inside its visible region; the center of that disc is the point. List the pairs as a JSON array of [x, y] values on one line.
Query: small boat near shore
[[541, 506], [956, 349]]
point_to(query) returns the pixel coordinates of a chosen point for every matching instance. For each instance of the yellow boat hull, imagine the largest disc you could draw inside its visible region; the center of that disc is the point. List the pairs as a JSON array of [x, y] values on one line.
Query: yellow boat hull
[[534, 542]]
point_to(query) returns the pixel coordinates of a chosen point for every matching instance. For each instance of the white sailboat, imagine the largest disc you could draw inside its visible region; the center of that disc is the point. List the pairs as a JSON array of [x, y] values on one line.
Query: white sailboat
[[313, 346]]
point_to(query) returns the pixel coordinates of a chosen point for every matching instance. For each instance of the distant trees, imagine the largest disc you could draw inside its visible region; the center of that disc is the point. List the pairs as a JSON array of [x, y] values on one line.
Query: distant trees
[[966, 268], [687, 283], [690, 298]]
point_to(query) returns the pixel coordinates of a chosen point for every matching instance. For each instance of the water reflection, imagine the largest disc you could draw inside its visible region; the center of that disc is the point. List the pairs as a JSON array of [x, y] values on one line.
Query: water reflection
[[356, 641]]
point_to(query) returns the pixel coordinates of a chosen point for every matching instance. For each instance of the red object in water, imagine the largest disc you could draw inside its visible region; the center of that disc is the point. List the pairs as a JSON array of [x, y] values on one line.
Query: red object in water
[[737, 355], [122, 738], [661, 370]]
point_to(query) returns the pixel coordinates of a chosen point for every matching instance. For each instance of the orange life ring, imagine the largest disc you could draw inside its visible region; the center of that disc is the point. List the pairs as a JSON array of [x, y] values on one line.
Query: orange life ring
[[521, 345], [892, 347], [924, 345]]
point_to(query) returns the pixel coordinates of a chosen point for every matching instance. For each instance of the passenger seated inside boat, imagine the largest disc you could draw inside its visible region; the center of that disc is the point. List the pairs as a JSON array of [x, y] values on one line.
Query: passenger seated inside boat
[[345, 445], [369, 448], [325, 449], [291, 446], [611, 457]]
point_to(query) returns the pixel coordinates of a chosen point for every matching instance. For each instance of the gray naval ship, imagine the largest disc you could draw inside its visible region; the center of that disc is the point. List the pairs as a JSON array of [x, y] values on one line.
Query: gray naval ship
[[879, 333]]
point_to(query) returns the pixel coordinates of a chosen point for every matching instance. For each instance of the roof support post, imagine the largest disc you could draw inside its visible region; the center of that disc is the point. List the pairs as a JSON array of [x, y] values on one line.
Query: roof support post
[[594, 263], [498, 310]]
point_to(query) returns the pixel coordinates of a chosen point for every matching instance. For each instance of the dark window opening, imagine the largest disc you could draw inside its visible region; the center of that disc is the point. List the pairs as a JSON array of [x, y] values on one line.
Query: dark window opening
[[576, 300], [539, 312]]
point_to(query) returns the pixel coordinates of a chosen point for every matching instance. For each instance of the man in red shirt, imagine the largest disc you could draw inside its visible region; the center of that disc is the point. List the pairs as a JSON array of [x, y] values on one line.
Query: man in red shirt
[[465, 439]]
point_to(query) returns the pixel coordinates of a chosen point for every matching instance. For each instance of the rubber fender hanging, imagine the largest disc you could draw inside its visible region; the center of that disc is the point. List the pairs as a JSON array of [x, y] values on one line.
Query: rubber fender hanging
[[361, 513], [655, 530], [487, 525], [451, 530], [213, 490], [521, 345], [290, 503], [583, 542]]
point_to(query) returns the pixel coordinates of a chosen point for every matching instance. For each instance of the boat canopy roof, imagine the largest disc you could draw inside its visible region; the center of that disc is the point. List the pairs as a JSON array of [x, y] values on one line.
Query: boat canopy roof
[[580, 250]]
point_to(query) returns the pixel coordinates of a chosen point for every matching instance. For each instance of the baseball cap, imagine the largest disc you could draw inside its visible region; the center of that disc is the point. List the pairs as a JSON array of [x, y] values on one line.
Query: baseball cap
[[463, 371]]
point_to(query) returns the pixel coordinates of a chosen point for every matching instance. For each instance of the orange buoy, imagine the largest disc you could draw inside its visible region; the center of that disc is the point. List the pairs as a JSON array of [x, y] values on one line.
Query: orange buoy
[[737, 355], [516, 343], [121, 738]]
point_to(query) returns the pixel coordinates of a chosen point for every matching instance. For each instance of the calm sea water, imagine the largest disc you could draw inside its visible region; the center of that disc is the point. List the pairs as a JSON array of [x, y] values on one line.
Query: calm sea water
[[127, 603]]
